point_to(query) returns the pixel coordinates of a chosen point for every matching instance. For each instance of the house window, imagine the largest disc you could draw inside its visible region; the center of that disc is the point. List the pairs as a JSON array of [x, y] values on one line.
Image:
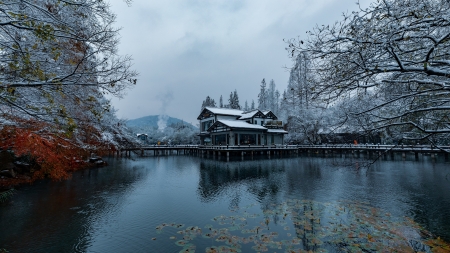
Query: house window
[[256, 122], [262, 122]]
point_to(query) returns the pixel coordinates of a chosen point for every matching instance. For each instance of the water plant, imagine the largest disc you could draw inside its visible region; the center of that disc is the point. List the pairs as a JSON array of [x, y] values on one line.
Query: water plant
[[305, 225]]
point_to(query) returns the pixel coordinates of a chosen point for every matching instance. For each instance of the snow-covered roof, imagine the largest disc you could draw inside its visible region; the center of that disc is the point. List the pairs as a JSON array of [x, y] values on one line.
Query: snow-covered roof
[[249, 115], [239, 124], [225, 111], [279, 131], [241, 115]]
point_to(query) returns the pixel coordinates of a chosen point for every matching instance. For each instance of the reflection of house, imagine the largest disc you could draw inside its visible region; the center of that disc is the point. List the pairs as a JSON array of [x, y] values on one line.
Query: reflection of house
[[222, 126]]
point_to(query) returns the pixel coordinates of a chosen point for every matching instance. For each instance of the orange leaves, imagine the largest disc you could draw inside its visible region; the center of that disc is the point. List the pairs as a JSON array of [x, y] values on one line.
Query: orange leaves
[[53, 155]]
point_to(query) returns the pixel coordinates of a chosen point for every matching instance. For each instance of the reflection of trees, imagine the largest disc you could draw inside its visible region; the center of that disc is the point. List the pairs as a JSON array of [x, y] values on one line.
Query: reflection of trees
[[261, 178], [44, 212], [431, 200], [306, 174]]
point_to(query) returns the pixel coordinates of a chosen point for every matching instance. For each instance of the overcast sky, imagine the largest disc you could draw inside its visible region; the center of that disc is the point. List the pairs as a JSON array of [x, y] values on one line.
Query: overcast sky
[[186, 50]]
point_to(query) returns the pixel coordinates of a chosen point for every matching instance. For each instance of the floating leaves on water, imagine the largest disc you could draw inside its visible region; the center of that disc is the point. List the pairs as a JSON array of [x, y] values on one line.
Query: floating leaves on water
[[189, 248], [346, 226], [182, 242], [212, 250]]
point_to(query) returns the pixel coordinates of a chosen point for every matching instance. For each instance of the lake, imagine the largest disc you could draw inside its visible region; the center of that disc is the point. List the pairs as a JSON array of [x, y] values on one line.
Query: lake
[[187, 204]]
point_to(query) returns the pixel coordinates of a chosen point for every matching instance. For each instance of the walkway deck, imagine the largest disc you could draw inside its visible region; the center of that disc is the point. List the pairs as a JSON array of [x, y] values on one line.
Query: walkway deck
[[244, 150]]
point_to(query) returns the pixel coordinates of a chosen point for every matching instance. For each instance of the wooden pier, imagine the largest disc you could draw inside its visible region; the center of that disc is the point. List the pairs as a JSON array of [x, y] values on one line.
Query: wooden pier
[[285, 150]]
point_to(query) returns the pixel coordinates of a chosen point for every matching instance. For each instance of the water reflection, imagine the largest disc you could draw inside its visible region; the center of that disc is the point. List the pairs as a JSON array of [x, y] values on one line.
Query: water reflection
[[419, 190], [56, 216], [261, 178], [304, 203]]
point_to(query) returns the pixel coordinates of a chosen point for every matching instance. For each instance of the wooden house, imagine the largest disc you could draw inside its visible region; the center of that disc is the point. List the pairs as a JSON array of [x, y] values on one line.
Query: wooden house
[[223, 126]]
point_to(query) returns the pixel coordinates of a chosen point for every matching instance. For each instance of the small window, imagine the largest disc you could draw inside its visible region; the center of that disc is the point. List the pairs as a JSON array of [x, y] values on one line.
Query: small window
[[262, 123], [256, 122]]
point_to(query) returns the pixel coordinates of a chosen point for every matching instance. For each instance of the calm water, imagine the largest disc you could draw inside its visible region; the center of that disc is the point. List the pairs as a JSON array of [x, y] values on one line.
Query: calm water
[[182, 204]]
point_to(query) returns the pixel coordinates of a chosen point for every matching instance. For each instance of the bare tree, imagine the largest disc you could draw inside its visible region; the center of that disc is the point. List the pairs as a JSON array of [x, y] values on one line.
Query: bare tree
[[58, 59], [395, 51]]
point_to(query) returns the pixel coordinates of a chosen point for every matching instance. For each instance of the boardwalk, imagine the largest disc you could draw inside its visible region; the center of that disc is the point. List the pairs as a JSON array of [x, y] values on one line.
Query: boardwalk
[[281, 150]]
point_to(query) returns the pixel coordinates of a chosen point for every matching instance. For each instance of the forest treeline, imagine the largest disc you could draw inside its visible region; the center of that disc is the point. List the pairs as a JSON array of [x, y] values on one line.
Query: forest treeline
[[59, 61]]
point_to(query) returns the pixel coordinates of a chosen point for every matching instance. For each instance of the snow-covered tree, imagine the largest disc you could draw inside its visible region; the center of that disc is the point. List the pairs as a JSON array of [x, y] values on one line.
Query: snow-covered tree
[[397, 50], [271, 95], [252, 107], [276, 108], [57, 55], [246, 106], [221, 102], [234, 100], [58, 59], [262, 96], [208, 102]]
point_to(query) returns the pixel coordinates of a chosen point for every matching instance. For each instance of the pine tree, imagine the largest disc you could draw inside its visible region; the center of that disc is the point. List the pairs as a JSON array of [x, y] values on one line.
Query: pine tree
[[277, 102], [208, 102], [246, 106], [221, 102], [231, 101], [262, 96], [271, 96], [236, 100], [253, 105]]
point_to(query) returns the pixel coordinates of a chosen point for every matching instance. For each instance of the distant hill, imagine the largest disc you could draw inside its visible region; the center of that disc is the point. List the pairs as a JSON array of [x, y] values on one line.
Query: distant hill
[[152, 122]]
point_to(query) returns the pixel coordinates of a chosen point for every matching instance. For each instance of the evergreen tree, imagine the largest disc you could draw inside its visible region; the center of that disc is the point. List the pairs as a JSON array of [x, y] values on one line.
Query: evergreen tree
[[208, 102], [230, 101], [253, 105], [277, 102], [271, 95], [221, 102], [236, 100], [246, 106], [262, 96]]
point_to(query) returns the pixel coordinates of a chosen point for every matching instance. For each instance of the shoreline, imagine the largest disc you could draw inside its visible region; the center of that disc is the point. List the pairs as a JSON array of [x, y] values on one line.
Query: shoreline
[[12, 177]]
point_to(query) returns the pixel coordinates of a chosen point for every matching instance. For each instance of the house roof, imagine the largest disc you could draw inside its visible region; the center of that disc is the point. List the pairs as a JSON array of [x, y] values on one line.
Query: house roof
[[240, 115], [250, 114], [237, 124], [269, 113], [220, 111]]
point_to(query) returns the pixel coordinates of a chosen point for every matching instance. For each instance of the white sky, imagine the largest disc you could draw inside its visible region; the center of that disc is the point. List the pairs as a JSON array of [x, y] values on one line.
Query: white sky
[[186, 50]]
